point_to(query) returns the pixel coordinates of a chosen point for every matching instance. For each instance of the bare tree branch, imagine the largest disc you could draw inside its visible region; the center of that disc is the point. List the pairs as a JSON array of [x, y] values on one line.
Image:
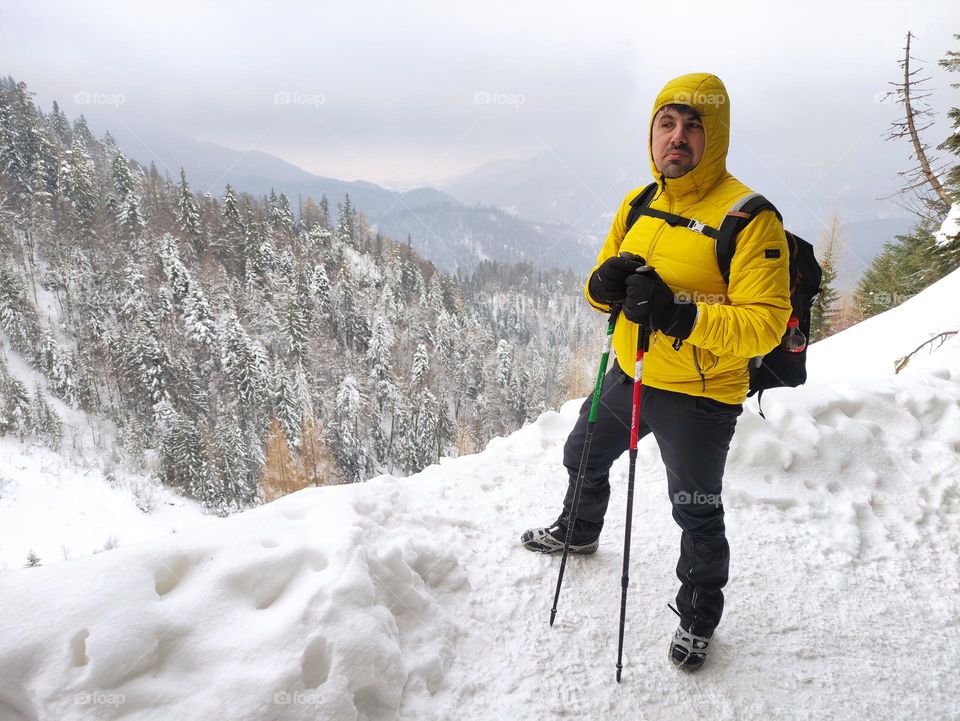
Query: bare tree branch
[[901, 363]]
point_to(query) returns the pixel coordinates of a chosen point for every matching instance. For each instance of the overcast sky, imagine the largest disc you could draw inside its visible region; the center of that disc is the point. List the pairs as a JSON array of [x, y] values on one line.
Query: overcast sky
[[404, 92]]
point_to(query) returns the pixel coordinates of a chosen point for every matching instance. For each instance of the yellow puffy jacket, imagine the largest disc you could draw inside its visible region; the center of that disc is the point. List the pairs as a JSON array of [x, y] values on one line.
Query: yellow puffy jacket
[[734, 322]]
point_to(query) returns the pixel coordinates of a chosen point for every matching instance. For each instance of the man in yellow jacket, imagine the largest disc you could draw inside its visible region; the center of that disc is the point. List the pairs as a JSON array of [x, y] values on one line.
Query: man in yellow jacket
[[663, 272]]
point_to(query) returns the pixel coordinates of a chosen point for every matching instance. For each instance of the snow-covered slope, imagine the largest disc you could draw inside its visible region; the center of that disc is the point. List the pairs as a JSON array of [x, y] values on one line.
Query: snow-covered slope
[[412, 599], [871, 348], [83, 498]]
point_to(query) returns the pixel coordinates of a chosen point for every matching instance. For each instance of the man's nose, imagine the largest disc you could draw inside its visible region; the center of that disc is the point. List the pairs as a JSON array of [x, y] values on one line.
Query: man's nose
[[678, 137]]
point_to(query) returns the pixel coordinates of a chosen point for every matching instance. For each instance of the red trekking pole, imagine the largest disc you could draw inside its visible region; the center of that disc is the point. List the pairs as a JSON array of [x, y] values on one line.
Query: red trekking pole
[[642, 340]]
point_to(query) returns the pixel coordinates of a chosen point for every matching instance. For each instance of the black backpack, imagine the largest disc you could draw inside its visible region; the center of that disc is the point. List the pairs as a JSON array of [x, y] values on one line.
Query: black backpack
[[778, 368]]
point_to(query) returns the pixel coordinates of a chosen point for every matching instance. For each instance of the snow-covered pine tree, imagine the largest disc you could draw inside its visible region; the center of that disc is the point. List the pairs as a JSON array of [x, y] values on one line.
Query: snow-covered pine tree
[[379, 364], [504, 363], [281, 216], [126, 200], [421, 366], [76, 182], [349, 446], [188, 213], [59, 124], [346, 223], [242, 365], [286, 406]]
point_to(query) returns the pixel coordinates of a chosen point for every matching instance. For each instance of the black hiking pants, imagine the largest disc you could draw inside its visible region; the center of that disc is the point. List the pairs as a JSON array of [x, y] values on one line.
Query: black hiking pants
[[694, 435]]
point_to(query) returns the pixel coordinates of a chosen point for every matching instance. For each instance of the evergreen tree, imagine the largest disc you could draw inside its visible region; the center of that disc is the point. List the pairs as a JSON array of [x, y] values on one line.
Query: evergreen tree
[[188, 212], [825, 304], [126, 200], [77, 185], [346, 223], [421, 366], [281, 216], [952, 144], [504, 363], [18, 407], [184, 461], [298, 320], [349, 442], [60, 125], [324, 212], [286, 407], [379, 362], [235, 467], [243, 364], [903, 268], [44, 421], [320, 290], [231, 218]]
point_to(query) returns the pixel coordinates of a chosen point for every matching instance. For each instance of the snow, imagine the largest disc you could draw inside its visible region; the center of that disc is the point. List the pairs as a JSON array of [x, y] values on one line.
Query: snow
[[872, 347], [951, 226], [62, 508], [412, 599], [79, 501]]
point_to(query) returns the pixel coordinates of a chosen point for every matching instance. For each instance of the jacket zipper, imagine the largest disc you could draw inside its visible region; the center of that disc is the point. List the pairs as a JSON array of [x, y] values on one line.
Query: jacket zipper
[[663, 226], [696, 363]]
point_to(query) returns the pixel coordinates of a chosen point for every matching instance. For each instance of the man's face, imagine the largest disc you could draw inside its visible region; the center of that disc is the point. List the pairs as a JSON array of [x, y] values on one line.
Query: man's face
[[677, 142]]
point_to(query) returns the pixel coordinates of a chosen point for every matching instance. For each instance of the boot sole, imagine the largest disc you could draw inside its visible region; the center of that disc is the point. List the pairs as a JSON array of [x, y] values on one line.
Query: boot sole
[[587, 550]]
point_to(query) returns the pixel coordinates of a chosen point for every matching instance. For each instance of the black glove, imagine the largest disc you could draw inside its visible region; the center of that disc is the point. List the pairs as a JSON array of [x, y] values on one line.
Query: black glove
[[607, 284], [651, 302]]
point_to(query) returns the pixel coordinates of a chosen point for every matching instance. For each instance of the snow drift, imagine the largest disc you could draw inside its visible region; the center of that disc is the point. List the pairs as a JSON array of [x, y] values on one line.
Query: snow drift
[[412, 599]]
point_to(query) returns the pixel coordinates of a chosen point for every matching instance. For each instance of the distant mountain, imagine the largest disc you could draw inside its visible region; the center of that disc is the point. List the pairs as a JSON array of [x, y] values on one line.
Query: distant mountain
[[456, 236], [552, 209], [583, 186], [444, 230]]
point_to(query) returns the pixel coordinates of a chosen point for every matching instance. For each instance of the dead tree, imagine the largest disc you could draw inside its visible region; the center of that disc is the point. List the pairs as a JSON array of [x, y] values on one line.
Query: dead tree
[[924, 193]]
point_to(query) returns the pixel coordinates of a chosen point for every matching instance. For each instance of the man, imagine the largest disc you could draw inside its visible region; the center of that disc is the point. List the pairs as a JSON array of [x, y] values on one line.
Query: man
[[703, 332]]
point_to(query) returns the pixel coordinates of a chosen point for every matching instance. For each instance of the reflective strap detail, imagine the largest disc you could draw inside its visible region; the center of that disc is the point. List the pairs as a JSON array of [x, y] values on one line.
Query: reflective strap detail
[[735, 208]]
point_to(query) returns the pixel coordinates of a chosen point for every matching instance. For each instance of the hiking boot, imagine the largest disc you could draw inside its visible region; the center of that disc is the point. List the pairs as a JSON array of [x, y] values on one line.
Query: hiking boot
[[551, 540], [687, 650]]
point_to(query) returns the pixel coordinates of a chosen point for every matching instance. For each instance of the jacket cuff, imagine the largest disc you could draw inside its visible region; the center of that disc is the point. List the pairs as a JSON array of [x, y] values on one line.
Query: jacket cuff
[[695, 336]]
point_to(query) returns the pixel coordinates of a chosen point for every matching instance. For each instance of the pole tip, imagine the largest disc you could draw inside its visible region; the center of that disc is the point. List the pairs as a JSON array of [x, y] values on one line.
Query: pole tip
[[553, 615]]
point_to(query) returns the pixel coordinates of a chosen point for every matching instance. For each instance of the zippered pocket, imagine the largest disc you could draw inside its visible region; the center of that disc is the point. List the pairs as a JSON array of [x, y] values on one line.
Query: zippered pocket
[[696, 363]]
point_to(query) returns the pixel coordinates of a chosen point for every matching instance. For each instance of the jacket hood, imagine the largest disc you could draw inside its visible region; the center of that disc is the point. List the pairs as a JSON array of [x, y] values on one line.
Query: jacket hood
[[707, 94]]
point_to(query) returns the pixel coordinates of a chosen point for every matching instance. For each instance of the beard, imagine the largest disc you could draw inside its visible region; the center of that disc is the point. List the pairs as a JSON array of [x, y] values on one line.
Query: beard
[[677, 167]]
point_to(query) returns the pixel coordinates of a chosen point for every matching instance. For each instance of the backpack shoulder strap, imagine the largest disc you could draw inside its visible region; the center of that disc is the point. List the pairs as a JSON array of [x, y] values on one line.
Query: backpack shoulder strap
[[736, 219], [641, 201], [641, 206]]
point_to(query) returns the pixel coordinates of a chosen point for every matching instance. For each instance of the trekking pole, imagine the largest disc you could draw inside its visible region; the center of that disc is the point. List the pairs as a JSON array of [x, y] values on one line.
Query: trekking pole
[[591, 424], [642, 339]]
